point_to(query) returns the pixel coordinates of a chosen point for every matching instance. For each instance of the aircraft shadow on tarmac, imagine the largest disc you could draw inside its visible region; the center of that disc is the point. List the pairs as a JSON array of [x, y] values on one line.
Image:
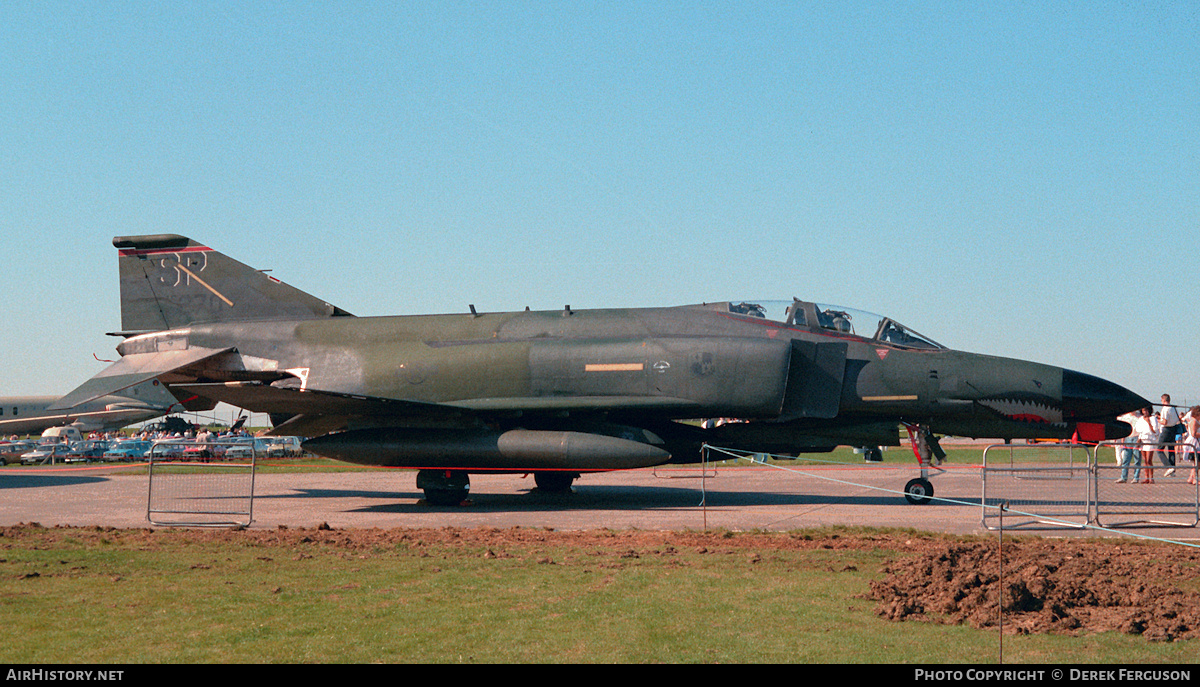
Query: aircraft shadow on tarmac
[[41, 481], [623, 498]]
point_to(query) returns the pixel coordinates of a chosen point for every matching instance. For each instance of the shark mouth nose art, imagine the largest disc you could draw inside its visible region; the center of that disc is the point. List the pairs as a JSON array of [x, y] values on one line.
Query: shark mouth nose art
[[1023, 410]]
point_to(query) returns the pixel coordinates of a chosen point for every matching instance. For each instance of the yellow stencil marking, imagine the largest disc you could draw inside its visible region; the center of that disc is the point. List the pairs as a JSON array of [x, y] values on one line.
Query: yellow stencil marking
[[613, 367]]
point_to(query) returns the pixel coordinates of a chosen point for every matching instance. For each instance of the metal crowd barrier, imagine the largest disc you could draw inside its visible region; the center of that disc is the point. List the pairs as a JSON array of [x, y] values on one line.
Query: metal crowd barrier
[[1071, 485], [1124, 492], [1050, 482], [199, 487]]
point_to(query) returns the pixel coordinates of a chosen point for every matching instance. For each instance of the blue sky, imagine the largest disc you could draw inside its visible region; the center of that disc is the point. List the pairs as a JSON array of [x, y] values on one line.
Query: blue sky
[[1017, 178]]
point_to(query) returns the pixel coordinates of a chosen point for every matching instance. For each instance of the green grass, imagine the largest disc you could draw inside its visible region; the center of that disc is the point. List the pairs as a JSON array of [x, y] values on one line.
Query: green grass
[[180, 597], [972, 454]]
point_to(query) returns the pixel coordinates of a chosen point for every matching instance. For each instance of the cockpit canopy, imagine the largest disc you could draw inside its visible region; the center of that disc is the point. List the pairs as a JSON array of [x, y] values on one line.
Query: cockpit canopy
[[834, 318]]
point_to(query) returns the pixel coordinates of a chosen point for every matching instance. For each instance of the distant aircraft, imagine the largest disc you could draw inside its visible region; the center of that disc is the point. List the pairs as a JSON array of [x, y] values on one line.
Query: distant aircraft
[[564, 392], [33, 414]]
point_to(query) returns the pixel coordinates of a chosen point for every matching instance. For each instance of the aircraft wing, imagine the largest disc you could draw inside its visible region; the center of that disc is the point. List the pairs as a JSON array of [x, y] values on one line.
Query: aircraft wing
[[312, 412], [265, 398], [318, 412], [130, 414], [134, 369]]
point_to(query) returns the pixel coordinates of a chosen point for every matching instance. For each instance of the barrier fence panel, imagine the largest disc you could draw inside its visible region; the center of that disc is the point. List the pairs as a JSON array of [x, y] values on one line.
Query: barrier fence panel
[[197, 485], [1043, 484], [1143, 493]]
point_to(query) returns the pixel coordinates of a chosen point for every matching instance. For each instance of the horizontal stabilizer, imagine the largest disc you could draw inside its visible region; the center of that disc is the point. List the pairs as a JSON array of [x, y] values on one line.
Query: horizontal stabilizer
[[134, 369], [131, 414]]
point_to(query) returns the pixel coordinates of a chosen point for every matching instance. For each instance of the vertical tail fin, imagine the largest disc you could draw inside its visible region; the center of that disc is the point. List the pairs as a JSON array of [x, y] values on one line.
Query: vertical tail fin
[[170, 281]]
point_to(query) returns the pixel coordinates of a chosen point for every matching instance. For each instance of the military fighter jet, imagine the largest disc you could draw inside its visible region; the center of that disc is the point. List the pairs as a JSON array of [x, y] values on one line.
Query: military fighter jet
[[564, 392]]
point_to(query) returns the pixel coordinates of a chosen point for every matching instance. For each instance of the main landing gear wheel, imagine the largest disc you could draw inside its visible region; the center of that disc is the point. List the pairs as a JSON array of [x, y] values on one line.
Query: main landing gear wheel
[[445, 497], [918, 491], [554, 482], [444, 487]]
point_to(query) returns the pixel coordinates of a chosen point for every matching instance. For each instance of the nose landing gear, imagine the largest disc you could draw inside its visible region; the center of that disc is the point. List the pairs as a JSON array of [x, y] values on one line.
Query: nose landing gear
[[929, 453]]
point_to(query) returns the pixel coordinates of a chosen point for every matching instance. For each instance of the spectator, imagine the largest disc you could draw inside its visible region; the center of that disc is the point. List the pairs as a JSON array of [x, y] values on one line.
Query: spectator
[[1127, 450], [1168, 419], [1148, 431]]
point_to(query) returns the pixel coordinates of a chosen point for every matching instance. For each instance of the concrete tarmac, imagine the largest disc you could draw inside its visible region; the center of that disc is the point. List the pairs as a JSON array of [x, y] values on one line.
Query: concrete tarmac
[[675, 498]]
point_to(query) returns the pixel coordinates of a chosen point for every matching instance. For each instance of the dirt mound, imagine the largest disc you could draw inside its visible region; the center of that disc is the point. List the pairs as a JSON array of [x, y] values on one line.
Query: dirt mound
[[1066, 586]]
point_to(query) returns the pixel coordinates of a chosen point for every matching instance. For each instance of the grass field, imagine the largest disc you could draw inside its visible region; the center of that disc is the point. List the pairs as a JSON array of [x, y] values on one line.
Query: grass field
[[134, 596]]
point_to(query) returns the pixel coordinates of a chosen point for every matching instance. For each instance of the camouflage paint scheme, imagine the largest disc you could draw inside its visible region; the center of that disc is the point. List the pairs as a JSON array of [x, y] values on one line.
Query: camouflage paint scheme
[[565, 391]]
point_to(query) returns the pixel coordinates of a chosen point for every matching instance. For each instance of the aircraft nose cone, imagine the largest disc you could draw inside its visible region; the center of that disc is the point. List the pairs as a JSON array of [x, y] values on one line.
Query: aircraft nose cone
[[1086, 397]]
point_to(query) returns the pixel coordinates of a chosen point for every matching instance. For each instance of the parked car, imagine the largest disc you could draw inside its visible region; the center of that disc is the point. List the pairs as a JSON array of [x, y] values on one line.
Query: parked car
[[130, 449], [47, 453], [169, 449], [67, 434], [11, 451], [220, 446], [246, 448], [284, 447], [193, 450], [87, 451]]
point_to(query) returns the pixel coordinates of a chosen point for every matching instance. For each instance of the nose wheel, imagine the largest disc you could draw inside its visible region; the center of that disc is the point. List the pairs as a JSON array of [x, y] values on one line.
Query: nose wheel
[[918, 491]]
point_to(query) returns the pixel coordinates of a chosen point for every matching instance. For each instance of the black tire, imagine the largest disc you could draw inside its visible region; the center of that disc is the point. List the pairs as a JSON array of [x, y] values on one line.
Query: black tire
[[445, 497], [554, 482], [444, 487], [918, 491]]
